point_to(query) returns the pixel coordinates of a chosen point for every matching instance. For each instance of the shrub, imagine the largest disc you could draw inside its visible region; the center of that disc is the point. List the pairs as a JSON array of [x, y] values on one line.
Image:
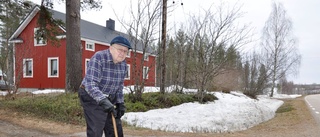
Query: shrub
[[136, 107], [157, 100], [285, 108], [66, 107], [62, 107], [209, 97], [151, 100]]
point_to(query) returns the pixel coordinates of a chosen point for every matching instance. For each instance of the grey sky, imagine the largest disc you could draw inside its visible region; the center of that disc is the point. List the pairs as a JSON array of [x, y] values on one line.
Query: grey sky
[[304, 15]]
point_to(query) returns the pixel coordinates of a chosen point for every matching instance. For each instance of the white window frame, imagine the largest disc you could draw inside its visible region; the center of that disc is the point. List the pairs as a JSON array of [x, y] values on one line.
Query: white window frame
[[146, 56], [35, 39], [25, 69], [86, 61], [90, 43], [144, 73], [49, 67], [128, 72]]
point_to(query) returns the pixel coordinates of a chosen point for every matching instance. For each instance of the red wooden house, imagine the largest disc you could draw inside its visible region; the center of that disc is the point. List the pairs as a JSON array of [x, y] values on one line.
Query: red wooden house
[[41, 65]]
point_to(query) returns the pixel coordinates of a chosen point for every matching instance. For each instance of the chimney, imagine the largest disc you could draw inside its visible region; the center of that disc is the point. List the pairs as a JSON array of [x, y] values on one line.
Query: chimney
[[110, 24]]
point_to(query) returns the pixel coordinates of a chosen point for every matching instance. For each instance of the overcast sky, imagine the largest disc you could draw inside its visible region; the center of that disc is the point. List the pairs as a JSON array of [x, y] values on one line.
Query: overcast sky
[[304, 15]]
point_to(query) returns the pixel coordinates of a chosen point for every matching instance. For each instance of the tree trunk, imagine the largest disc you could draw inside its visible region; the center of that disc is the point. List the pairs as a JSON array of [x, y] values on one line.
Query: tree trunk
[[74, 47]]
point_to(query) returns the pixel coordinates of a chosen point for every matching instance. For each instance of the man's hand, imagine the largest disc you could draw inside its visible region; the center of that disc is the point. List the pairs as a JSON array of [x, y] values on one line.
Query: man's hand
[[106, 105], [121, 109]]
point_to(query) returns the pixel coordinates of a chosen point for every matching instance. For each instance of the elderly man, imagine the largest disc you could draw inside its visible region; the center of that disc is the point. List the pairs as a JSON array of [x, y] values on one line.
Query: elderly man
[[101, 92]]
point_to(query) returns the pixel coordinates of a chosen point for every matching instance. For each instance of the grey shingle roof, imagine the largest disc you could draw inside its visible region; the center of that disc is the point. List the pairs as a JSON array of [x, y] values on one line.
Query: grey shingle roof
[[96, 32]]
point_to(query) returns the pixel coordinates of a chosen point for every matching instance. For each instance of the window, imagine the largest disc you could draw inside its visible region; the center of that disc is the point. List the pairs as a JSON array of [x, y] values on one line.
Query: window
[[128, 72], [145, 72], [89, 46], [53, 67], [27, 68], [128, 54], [146, 56], [86, 65], [40, 41]]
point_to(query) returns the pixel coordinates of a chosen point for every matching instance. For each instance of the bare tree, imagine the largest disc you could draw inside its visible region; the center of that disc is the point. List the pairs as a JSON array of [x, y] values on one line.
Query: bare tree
[[287, 87], [11, 14], [211, 36], [22, 67], [143, 29], [279, 46]]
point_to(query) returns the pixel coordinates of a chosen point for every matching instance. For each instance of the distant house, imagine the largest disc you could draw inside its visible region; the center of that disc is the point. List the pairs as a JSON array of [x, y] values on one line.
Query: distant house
[[40, 65]]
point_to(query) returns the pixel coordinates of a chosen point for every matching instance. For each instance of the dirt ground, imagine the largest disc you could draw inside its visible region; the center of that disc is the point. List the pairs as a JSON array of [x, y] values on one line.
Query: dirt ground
[[296, 123]]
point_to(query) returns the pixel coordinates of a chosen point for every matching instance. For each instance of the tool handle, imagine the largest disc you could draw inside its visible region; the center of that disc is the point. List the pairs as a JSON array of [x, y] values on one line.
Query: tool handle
[[114, 125]]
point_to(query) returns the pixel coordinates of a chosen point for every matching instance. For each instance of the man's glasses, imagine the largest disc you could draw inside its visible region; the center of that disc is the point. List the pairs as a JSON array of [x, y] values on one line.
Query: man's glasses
[[121, 50]]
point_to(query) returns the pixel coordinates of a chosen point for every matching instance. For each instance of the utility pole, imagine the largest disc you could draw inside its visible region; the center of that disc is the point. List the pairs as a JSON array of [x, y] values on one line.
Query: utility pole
[[163, 46]]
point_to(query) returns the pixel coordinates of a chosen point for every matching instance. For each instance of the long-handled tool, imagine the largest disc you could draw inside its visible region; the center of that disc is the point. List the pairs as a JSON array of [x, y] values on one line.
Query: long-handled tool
[[114, 125]]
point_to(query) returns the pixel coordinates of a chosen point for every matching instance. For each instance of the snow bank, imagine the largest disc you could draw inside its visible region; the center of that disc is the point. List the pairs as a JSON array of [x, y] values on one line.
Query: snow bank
[[232, 112]]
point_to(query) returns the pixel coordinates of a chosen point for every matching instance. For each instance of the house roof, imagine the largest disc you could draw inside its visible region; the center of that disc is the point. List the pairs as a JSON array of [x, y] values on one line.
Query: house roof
[[24, 24], [91, 30], [88, 30]]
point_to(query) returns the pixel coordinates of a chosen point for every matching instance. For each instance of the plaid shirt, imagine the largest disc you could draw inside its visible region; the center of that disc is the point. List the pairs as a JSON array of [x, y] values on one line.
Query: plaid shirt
[[105, 78]]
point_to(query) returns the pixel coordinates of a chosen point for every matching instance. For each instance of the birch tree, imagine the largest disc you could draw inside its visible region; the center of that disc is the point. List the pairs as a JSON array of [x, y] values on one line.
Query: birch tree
[[279, 46]]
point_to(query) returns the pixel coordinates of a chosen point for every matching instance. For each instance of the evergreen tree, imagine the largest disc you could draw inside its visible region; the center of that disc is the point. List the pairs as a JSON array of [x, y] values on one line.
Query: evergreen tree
[[74, 48], [181, 57]]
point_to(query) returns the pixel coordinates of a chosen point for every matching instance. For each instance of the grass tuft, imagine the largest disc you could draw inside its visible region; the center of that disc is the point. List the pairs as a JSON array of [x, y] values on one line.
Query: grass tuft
[[285, 108]]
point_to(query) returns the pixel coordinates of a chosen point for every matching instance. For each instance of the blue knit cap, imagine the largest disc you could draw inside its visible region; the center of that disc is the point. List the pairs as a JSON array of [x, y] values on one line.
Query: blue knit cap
[[122, 41]]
